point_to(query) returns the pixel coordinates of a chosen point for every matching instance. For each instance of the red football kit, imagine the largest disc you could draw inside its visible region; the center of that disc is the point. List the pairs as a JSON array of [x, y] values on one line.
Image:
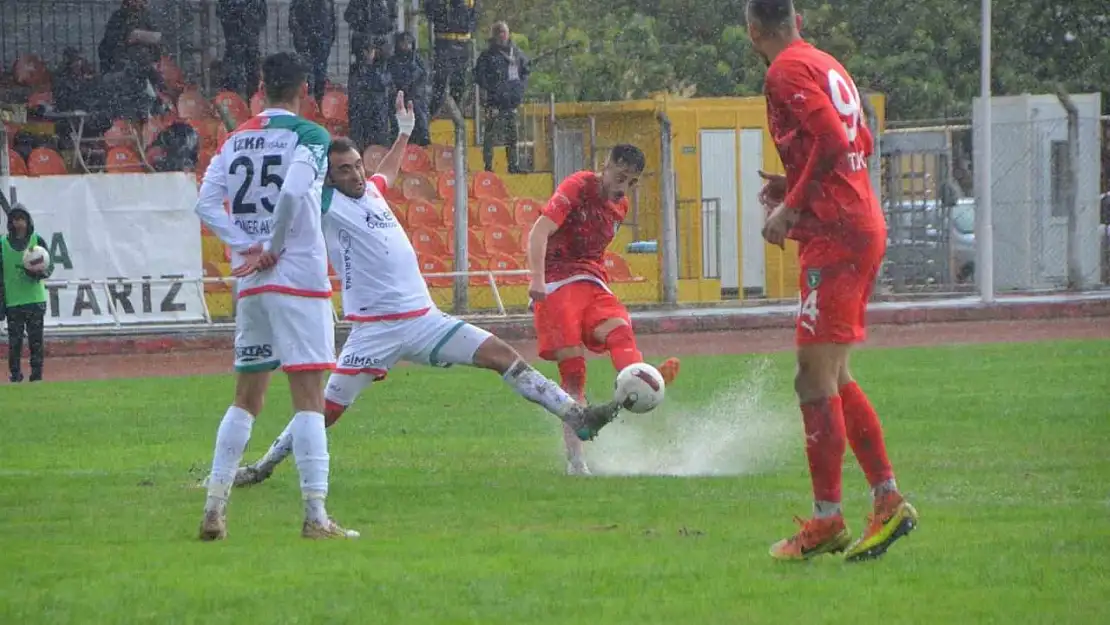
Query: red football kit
[[578, 296], [816, 121]]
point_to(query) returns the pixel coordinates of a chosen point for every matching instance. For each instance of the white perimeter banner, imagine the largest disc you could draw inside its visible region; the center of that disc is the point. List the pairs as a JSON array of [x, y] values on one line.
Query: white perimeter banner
[[138, 232]]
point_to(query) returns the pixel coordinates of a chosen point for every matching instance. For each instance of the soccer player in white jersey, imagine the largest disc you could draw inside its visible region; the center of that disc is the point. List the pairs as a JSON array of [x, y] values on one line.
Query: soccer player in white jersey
[[272, 170], [394, 317]]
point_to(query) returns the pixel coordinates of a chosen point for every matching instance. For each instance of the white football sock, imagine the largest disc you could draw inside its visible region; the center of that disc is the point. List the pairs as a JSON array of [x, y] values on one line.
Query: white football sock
[[826, 509], [231, 441], [533, 386], [882, 488], [310, 450], [573, 444], [278, 451]]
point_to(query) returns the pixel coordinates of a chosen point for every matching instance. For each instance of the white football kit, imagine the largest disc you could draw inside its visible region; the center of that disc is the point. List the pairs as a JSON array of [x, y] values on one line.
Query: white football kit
[[384, 293], [284, 315]]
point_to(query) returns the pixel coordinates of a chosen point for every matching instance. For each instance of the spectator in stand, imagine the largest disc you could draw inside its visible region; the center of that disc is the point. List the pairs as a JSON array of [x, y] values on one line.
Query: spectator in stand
[[22, 293], [454, 23], [312, 23], [371, 20], [502, 74], [410, 77], [243, 22], [369, 91], [128, 53]]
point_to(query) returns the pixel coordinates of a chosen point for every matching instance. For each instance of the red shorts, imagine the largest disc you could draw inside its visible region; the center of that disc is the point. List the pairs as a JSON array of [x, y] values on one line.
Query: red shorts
[[835, 285], [568, 317]]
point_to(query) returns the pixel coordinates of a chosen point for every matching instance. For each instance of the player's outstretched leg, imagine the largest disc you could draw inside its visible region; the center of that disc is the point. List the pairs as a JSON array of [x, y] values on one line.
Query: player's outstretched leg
[[822, 412], [342, 389], [620, 341], [572, 378], [231, 440], [892, 516]]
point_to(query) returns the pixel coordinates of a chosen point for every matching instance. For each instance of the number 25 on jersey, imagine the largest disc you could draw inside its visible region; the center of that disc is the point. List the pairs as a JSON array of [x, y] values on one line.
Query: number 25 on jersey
[[268, 183]]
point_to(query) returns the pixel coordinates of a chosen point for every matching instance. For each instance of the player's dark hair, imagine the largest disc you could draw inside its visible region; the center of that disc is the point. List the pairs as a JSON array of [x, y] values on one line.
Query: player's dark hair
[[771, 14], [283, 76], [342, 144], [628, 155]]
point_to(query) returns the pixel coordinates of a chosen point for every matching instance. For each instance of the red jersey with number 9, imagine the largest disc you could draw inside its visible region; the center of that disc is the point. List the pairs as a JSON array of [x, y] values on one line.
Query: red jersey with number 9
[[817, 123]]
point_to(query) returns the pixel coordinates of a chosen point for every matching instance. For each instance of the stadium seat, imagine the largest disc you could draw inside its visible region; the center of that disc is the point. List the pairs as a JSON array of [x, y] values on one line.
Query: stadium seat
[[476, 246], [120, 134], [434, 264], [428, 241], [443, 157], [503, 262], [30, 71], [477, 263], [258, 103], [16, 164], [123, 160], [334, 106], [239, 110], [526, 211], [45, 162], [421, 214], [501, 240], [417, 187], [493, 212], [445, 185], [171, 75], [401, 213], [618, 269], [192, 105], [40, 98], [416, 160], [487, 185], [372, 157]]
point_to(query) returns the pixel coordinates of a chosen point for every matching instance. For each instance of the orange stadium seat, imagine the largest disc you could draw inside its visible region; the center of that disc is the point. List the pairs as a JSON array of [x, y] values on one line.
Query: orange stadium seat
[[417, 187], [192, 105], [443, 157], [477, 263], [16, 164], [501, 240], [445, 185], [435, 264], [488, 185], [372, 157], [493, 212], [239, 110], [526, 211], [503, 262], [119, 134], [428, 241], [618, 269], [416, 160], [421, 214], [476, 246], [30, 71], [45, 162], [334, 106], [123, 160]]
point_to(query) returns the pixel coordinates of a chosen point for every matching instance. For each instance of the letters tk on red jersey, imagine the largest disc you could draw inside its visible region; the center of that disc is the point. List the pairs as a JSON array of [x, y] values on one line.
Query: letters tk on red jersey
[[816, 120], [587, 224]]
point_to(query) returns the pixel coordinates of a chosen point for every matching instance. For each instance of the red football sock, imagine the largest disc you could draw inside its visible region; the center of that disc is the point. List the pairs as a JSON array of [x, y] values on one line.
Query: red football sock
[[621, 344], [332, 412], [825, 445], [572, 376], [865, 434]]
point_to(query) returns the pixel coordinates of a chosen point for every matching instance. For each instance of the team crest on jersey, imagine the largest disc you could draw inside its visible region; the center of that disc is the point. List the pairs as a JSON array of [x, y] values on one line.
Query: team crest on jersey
[[320, 154], [813, 278], [344, 239]]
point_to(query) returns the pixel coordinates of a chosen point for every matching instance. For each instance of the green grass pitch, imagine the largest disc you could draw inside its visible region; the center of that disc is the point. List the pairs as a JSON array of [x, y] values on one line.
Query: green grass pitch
[[467, 518]]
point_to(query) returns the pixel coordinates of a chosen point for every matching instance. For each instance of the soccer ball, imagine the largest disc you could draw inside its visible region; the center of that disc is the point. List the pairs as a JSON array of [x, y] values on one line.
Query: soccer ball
[[36, 258], [639, 388]]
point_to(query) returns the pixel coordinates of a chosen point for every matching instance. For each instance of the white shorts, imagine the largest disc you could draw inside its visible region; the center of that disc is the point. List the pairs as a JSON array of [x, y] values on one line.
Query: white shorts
[[295, 333], [435, 338]]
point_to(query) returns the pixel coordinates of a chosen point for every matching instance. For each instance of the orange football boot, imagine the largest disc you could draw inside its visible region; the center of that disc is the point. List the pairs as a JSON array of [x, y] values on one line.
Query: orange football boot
[[669, 370], [815, 537]]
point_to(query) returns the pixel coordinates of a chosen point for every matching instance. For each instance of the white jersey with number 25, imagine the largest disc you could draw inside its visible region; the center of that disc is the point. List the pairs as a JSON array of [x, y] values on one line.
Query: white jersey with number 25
[[248, 173]]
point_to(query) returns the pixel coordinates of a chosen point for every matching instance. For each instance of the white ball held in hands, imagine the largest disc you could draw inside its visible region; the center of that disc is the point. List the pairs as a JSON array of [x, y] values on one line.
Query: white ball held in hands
[[406, 118], [36, 259]]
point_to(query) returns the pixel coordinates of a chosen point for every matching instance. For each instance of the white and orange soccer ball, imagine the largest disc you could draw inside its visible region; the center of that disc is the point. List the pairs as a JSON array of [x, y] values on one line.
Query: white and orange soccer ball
[[36, 258], [639, 388]]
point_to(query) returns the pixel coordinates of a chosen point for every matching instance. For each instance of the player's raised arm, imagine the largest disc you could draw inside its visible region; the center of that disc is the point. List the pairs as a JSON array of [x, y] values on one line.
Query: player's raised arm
[[310, 162], [551, 218], [792, 85], [210, 208], [390, 166]]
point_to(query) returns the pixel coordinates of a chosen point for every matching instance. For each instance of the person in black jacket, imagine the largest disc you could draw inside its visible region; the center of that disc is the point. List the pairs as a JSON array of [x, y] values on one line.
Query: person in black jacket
[[242, 22], [312, 24], [369, 92], [22, 293], [502, 74], [454, 23], [371, 20], [409, 76]]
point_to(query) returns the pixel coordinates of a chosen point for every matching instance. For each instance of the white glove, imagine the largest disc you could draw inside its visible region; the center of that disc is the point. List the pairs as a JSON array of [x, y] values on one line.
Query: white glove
[[406, 118]]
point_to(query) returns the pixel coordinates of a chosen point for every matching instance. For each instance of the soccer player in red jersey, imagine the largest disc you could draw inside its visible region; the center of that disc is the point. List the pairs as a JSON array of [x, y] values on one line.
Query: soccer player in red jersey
[[826, 203], [574, 308]]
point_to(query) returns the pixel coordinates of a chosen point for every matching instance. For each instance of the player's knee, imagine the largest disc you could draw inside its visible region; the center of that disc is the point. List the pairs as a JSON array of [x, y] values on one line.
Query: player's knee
[[307, 390], [250, 391], [817, 373], [495, 354], [613, 329]]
